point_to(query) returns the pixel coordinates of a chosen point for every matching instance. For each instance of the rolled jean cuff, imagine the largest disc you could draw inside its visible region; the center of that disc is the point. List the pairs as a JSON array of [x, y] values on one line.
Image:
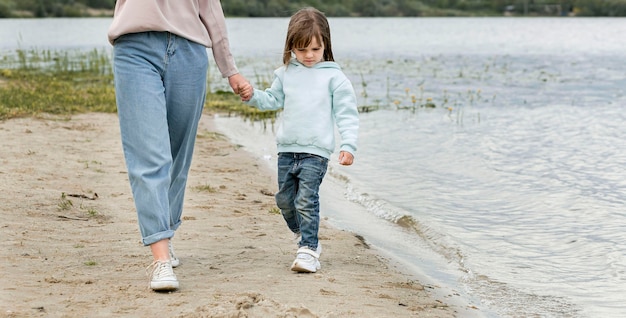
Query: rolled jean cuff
[[149, 240]]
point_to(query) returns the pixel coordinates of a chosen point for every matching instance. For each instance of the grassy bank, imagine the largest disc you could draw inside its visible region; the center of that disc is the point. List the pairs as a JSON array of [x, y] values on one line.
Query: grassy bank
[[35, 83]]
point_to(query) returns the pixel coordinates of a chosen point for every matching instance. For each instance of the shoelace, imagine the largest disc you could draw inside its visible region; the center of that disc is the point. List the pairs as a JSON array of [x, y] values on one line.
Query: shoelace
[[158, 268]]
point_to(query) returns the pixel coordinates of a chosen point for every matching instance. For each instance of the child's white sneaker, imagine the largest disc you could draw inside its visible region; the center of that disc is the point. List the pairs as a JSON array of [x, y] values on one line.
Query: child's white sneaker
[[307, 260], [162, 277]]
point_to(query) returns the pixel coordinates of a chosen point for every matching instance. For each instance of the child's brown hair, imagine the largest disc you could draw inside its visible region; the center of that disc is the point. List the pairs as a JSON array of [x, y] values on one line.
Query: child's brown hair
[[303, 26]]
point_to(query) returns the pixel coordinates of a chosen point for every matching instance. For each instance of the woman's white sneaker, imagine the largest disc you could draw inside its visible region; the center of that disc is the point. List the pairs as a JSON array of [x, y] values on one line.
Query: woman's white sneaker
[[173, 259], [162, 277]]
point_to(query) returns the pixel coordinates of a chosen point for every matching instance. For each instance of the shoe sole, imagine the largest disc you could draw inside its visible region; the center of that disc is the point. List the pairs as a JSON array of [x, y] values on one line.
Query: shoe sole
[[164, 286], [302, 268]]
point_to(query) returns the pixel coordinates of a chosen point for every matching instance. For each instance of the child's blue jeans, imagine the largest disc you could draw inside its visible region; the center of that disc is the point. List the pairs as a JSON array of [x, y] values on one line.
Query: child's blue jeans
[[160, 86], [299, 179]]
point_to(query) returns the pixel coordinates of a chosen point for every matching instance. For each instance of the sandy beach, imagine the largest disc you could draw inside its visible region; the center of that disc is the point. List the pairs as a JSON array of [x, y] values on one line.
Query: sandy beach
[[72, 245]]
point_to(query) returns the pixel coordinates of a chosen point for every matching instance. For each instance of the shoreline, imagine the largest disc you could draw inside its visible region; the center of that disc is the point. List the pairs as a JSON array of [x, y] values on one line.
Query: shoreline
[[73, 248], [410, 257]]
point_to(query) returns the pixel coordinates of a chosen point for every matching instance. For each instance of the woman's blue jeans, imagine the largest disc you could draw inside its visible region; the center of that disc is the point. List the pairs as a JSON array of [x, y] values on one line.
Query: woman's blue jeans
[[299, 178], [160, 88]]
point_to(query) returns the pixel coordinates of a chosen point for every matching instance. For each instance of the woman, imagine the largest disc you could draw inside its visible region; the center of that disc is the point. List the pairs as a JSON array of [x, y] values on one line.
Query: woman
[[160, 68]]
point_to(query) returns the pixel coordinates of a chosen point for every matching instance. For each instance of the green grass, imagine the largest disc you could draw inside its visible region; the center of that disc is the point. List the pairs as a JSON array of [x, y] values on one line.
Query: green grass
[[64, 203], [67, 82], [34, 82], [274, 210], [206, 188]]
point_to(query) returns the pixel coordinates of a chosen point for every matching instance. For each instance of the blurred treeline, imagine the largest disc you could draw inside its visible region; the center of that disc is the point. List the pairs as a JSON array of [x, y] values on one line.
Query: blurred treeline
[[339, 8]]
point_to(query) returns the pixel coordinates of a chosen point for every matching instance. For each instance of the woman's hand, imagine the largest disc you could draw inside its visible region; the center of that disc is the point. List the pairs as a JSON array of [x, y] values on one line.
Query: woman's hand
[[245, 92], [241, 86]]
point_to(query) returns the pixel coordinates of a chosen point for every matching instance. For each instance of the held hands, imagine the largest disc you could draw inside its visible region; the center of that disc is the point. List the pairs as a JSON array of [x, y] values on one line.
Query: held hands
[[241, 87], [245, 92], [345, 158]]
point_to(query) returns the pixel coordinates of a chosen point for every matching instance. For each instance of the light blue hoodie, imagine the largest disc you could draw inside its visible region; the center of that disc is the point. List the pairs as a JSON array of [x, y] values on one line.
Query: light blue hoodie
[[313, 100]]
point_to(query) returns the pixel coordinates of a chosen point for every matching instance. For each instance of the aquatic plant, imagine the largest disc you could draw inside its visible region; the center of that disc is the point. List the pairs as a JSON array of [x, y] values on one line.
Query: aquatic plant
[[66, 82], [35, 82]]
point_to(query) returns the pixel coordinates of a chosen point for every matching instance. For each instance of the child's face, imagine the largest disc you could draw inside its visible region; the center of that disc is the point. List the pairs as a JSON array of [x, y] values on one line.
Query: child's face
[[311, 54]]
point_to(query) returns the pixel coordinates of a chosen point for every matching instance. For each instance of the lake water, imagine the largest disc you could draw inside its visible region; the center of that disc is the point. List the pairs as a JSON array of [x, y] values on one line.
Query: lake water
[[509, 193]]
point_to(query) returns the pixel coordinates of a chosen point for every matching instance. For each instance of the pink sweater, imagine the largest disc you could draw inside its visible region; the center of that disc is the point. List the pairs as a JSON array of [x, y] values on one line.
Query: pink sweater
[[200, 21]]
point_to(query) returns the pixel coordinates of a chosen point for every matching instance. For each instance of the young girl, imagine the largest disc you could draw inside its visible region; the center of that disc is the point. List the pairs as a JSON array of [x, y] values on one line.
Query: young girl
[[315, 95]]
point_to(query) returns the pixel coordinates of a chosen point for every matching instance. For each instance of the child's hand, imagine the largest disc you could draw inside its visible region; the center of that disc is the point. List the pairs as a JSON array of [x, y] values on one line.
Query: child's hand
[[245, 91], [345, 158]]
